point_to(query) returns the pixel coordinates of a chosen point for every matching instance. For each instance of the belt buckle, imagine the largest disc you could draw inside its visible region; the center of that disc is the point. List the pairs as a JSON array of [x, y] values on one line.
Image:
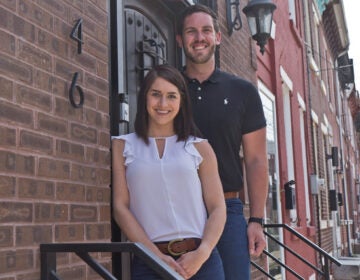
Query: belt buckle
[[171, 252]]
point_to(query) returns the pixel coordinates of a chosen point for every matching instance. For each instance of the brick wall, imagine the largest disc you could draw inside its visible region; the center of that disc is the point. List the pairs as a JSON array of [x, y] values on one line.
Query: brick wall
[[54, 158]]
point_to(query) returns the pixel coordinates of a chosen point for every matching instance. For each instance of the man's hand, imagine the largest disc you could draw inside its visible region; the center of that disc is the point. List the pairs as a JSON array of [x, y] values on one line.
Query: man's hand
[[256, 239]]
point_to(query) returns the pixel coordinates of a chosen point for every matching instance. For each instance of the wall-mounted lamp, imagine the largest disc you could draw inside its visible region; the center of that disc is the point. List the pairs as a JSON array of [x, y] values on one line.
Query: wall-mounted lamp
[[259, 14], [233, 18]]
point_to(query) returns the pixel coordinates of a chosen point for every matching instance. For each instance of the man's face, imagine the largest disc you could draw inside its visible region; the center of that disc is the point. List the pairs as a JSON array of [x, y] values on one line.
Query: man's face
[[199, 38]]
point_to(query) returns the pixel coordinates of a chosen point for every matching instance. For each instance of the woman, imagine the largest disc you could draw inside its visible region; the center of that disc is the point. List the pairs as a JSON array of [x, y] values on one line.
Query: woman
[[167, 192]]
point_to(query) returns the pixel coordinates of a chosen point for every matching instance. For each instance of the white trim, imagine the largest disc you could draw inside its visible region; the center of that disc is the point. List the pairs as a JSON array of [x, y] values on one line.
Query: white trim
[[313, 65], [323, 224], [323, 87], [273, 30], [301, 102], [285, 77], [324, 128], [326, 120], [314, 117], [263, 88]]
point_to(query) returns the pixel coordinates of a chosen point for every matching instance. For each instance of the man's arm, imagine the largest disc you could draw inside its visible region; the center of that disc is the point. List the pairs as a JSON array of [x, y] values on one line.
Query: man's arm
[[256, 168]]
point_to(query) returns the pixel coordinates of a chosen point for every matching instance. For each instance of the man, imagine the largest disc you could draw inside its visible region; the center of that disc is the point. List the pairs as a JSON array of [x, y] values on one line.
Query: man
[[229, 113]]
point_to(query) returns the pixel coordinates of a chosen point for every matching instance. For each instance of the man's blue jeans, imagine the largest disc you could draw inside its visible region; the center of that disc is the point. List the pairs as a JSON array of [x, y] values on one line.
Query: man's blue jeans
[[233, 244], [212, 269]]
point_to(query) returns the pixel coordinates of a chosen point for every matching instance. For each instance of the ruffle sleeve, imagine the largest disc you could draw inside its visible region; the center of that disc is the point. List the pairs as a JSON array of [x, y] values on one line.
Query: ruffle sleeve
[[190, 148], [128, 152]]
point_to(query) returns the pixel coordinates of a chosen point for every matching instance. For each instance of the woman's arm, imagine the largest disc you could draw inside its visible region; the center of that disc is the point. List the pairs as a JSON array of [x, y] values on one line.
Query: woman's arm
[[215, 205]]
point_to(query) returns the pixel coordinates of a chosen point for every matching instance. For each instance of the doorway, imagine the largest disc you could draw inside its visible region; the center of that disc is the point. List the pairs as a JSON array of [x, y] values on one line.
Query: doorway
[[142, 36]]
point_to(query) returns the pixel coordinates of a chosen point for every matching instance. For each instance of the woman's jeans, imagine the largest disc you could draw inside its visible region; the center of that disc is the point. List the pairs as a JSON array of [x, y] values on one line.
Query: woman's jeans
[[211, 269], [233, 244]]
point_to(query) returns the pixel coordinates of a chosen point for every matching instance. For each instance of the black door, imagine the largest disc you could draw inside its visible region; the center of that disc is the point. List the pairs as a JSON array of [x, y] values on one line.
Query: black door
[[142, 35], [149, 40]]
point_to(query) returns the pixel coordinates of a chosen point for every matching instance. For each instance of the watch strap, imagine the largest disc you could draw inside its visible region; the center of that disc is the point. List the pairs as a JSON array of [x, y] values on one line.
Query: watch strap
[[256, 220]]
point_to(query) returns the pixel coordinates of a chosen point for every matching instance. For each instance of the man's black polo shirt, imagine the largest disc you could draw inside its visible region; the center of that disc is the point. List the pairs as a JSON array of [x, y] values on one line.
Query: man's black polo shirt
[[225, 107]]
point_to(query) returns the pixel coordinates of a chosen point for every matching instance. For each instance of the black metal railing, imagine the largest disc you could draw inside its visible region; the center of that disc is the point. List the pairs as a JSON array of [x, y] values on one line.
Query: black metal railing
[[325, 271], [48, 258]]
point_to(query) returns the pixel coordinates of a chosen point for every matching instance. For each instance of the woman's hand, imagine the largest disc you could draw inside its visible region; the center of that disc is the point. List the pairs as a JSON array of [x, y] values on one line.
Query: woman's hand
[[173, 264], [192, 261]]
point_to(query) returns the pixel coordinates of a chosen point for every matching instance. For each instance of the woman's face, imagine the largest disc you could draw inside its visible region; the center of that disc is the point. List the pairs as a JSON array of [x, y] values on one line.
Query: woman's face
[[163, 103]]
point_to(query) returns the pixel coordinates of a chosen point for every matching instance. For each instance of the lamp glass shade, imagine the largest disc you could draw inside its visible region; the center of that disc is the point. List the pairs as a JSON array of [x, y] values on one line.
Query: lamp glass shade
[[260, 21]]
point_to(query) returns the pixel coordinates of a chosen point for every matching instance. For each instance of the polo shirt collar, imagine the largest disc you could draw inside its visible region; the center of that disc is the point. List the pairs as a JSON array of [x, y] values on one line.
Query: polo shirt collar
[[215, 77]]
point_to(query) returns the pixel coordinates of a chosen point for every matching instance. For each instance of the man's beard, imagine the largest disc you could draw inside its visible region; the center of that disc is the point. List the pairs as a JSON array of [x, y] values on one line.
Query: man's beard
[[201, 58]]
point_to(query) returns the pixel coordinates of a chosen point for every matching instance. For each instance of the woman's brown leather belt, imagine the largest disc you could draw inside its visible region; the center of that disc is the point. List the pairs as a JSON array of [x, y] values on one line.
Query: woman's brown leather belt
[[177, 247]]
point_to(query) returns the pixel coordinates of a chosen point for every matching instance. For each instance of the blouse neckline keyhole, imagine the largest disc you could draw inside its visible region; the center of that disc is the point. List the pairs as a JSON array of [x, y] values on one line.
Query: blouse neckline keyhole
[[160, 145]]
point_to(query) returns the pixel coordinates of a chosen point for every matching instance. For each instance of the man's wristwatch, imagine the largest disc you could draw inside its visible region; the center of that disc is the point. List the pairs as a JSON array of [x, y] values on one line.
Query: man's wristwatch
[[256, 220]]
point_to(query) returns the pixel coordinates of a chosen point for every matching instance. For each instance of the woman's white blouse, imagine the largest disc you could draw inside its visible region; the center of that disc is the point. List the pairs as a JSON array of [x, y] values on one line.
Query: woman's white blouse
[[165, 193]]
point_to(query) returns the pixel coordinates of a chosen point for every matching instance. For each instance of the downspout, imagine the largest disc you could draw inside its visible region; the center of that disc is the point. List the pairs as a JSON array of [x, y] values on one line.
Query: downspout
[[307, 45], [344, 173]]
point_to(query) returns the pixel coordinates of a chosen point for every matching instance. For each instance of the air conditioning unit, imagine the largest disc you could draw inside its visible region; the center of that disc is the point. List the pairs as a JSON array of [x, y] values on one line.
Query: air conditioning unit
[[316, 183]]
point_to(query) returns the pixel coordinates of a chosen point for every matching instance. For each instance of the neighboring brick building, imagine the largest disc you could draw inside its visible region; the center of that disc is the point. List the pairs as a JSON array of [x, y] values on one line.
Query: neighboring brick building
[[307, 71]]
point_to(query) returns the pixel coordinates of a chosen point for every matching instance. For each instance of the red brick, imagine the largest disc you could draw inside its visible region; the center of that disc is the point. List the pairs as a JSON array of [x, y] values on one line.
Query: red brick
[[97, 194], [35, 56], [35, 188], [66, 70], [36, 142], [96, 155], [52, 125], [6, 236], [83, 213], [7, 43], [28, 276], [70, 192], [8, 137], [33, 235], [96, 49], [73, 273], [66, 149], [104, 139], [43, 81], [85, 174], [10, 162], [6, 88], [98, 85], [102, 71], [52, 168], [98, 231], [17, 25], [49, 42], [64, 109], [103, 104], [86, 61], [35, 14], [7, 186], [11, 261], [15, 212], [60, 87], [15, 114], [69, 233], [105, 213], [11, 4], [83, 133], [94, 118], [46, 212], [15, 69]]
